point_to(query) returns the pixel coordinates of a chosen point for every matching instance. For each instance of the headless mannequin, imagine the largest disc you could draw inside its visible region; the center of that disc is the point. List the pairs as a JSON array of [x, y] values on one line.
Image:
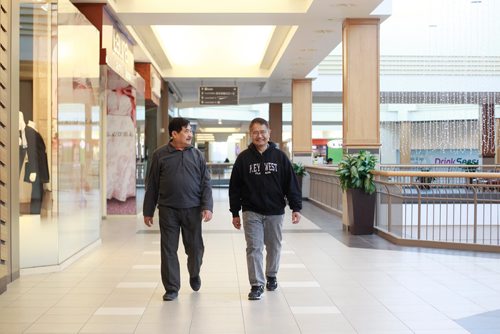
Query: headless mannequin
[[36, 171], [23, 143], [32, 176]]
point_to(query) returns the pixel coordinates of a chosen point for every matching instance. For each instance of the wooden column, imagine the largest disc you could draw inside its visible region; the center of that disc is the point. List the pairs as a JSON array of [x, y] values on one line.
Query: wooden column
[[276, 123], [302, 119], [162, 115], [360, 81]]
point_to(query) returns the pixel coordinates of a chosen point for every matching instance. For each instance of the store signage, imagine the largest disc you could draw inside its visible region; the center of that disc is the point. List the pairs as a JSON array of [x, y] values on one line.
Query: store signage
[[218, 95], [122, 49], [445, 157], [155, 84], [119, 55]]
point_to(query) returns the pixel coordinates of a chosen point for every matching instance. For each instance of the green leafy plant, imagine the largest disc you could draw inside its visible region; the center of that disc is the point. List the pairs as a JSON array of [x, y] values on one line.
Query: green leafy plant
[[354, 171], [299, 169], [426, 180], [472, 166]]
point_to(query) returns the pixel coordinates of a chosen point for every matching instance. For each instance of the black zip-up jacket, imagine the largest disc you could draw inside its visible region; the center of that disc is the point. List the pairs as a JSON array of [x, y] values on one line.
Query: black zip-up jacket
[[261, 182], [177, 179]]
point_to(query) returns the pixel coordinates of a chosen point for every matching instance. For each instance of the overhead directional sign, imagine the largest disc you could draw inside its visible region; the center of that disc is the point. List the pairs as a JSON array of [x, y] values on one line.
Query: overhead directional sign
[[218, 95]]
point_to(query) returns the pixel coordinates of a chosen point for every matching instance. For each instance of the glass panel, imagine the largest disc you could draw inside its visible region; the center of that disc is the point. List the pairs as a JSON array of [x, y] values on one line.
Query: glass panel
[[78, 132], [38, 230], [122, 101]]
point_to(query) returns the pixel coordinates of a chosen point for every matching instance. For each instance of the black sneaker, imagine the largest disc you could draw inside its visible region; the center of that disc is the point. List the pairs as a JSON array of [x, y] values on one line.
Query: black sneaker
[[272, 283], [256, 292], [170, 295], [195, 283]]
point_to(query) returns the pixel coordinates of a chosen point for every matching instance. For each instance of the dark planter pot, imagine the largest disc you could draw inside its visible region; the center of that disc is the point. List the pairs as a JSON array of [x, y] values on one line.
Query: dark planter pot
[[299, 178], [361, 211]]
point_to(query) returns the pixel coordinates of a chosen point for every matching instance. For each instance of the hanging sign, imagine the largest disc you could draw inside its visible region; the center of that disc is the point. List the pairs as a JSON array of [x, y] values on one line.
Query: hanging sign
[[218, 95]]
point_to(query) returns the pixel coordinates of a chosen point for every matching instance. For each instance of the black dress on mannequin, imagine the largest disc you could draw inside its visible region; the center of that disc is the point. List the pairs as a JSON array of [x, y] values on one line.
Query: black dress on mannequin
[[37, 164]]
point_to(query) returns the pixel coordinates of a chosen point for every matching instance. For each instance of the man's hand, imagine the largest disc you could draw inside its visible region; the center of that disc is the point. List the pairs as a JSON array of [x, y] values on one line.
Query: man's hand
[[237, 222], [207, 215], [295, 217], [148, 221]]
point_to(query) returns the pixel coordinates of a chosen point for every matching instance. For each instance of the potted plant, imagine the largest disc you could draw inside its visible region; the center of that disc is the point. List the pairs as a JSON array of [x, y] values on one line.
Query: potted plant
[[300, 171], [425, 181], [357, 181], [472, 166]]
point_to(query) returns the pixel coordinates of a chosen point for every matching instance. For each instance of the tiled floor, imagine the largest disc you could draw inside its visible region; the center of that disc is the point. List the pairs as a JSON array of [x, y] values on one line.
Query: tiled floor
[[330, 282]]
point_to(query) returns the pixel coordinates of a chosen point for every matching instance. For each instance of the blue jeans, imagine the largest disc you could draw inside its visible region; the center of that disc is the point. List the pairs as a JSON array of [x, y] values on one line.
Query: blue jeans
[[262, 230]]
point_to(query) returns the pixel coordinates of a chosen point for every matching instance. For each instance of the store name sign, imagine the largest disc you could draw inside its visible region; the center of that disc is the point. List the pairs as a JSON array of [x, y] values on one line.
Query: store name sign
[[122, 49], [155, 84], [453, 161]]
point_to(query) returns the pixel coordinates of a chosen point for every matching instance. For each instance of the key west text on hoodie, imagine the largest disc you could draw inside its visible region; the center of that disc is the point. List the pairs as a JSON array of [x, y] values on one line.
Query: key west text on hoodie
[[263, 182]]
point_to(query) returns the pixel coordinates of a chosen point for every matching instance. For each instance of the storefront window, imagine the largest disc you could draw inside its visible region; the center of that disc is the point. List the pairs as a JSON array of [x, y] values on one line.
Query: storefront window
[[60, 136]]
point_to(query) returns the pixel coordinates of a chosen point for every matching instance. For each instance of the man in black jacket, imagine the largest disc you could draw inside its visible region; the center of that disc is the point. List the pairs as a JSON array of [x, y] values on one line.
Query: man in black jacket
[[179, 183], [261, 179]]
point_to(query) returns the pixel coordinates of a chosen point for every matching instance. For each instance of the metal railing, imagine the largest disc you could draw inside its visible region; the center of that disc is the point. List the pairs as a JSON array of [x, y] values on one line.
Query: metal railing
[[448, 208], [220, 174], [325, 190], [444, 209]]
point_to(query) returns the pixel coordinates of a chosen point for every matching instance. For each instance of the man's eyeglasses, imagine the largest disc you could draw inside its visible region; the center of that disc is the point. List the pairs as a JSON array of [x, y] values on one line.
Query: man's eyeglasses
[[257, 133]]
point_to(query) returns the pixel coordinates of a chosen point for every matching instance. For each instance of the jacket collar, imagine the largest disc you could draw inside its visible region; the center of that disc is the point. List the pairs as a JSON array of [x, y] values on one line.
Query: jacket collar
[[171, 147], [254, 149]]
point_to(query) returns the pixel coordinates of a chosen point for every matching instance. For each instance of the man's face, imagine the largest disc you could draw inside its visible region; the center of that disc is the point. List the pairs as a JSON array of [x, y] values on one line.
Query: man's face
[[182, 139], [260, 135]]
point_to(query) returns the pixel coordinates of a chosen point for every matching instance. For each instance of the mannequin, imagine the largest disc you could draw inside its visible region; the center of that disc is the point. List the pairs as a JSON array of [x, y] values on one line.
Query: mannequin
[[37, 169], [23, 143], [32, 176]]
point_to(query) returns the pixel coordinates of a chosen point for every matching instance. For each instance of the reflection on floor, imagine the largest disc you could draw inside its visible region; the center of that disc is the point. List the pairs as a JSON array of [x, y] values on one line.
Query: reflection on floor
[[330, 282]]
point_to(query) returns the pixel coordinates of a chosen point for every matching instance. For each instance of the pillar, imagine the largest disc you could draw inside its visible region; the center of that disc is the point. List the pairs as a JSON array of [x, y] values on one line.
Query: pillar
[[302, 120], [276, 123], [302, 126], [360, 84], [162, 116]]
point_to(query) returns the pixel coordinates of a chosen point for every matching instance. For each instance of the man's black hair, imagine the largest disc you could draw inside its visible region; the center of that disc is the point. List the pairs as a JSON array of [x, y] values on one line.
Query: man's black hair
[[176, 124], [258, 120]]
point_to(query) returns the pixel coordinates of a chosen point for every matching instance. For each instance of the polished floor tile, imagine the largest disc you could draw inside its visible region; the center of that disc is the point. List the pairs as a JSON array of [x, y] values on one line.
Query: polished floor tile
[[329, 282]]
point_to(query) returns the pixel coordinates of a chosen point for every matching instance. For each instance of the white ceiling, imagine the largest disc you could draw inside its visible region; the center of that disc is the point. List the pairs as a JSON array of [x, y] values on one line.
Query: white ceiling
[[318, 31]]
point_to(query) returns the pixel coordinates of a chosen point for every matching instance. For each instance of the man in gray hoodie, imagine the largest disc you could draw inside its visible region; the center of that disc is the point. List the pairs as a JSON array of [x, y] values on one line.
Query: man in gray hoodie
[[179, 184]]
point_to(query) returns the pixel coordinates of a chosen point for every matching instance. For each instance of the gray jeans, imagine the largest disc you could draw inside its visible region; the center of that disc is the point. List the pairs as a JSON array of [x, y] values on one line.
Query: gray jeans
[[262, 230]]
